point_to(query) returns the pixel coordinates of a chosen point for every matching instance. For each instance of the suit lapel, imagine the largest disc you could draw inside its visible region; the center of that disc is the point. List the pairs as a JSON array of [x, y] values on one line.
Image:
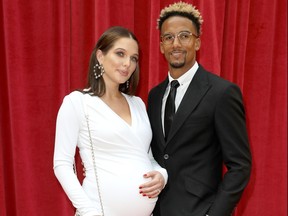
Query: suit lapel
[[195, 92]]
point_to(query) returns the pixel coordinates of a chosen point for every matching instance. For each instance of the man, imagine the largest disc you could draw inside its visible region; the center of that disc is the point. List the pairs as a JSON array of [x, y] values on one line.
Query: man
[[208, 127]]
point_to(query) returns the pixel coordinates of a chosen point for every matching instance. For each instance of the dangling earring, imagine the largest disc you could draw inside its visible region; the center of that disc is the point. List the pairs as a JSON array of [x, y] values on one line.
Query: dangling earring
[[127, 84], [101, 68]]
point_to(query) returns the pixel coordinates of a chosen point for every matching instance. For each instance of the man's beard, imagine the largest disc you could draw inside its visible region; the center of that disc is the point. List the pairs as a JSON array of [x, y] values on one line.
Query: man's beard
[[177, 65]]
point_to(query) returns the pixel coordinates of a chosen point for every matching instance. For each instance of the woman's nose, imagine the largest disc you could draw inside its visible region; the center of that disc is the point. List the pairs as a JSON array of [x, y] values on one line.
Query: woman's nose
[[126, 62]]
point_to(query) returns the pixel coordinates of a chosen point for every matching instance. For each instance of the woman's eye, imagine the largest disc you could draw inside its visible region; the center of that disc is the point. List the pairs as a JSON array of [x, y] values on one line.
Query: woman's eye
[[120, 54], [134, 59]]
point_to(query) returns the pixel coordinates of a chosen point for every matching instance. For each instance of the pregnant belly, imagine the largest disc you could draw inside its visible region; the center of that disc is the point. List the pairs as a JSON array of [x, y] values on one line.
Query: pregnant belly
[[119, 187]]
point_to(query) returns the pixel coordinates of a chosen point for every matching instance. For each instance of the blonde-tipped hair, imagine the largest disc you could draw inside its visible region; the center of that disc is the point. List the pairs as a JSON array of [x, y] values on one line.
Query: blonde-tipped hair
[[181, 9]]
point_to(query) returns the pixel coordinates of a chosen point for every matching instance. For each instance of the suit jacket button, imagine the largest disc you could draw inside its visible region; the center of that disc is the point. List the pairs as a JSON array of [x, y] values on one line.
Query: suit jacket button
[[166, 156]]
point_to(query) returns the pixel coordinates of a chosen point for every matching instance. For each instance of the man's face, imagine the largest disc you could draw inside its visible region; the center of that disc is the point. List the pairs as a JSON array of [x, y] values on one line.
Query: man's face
[[179, 53]]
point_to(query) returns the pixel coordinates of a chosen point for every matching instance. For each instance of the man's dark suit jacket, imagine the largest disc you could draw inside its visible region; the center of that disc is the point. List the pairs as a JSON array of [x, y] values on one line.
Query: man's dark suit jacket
[[208, 130]]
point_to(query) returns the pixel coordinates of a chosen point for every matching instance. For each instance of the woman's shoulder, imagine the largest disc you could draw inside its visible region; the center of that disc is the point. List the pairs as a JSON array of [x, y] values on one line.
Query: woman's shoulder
[[74, 98], [136, 100], [75, 95]]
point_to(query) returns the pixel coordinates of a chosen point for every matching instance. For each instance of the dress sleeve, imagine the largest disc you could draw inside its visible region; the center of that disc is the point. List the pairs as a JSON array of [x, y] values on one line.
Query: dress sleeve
[[67, 129], [157, 167], [154, 163]]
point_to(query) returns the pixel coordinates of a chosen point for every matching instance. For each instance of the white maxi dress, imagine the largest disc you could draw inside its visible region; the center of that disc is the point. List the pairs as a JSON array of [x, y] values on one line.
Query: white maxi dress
[[121, 156]]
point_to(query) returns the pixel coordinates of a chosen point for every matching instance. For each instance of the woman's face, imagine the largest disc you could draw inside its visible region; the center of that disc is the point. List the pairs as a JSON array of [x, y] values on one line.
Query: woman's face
[[120, 61]]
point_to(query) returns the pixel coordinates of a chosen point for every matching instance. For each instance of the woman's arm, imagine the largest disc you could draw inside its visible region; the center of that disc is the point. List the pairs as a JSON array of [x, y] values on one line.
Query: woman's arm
[[67, 130]]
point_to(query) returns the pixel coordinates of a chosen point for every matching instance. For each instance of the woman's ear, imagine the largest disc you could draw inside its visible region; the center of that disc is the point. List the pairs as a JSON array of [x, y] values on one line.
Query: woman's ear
[[99, 56]]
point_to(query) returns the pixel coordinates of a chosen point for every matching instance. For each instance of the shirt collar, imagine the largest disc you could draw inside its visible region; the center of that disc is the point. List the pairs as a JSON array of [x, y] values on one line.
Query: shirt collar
[[186, 77]]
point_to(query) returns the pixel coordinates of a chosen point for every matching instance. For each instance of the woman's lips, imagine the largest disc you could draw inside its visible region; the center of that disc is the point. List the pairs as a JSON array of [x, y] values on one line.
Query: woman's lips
[[124, 73]]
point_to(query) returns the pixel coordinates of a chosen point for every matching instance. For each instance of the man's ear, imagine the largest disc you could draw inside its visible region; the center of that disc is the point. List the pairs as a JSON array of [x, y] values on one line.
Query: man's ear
[[197, 44], [161, 48]]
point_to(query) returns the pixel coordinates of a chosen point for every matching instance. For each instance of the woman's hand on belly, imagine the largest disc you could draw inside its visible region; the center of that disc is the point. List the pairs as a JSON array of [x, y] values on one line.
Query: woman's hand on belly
[[153, 187]]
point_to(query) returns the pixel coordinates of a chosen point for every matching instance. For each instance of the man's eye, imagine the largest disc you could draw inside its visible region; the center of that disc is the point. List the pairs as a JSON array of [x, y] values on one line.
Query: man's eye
[[168, 37], [184, 36]]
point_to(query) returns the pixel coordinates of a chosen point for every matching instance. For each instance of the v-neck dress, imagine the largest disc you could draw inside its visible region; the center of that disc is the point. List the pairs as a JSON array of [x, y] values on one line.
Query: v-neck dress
[[121, 156]]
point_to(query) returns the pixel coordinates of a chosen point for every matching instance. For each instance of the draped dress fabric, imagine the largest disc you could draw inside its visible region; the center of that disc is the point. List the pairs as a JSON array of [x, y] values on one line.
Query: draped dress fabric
[[121, 155]]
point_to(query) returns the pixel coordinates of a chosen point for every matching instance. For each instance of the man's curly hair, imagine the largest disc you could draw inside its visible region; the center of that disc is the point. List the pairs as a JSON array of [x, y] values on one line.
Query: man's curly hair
[[181, 9]]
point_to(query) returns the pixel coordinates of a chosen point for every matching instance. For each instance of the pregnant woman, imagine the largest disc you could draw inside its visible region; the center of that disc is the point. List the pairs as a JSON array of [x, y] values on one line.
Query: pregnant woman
[[110, 126]]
